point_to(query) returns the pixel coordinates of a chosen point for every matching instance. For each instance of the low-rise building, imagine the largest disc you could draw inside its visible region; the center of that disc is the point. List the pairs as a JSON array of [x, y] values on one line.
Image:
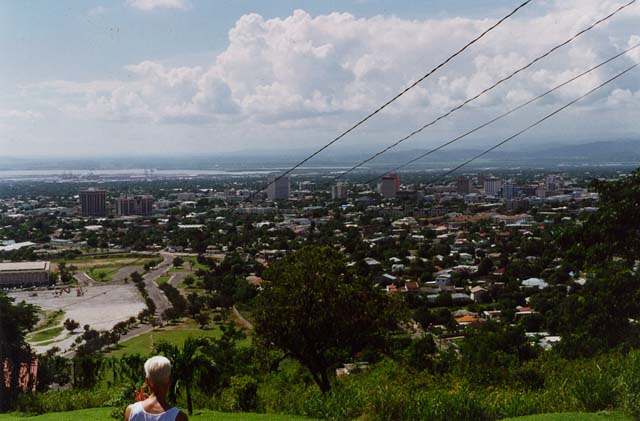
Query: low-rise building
[[24, 274]]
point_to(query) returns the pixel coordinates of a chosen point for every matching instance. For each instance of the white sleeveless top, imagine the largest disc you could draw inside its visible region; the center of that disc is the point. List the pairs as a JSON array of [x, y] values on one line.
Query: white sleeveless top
[[139, 414]]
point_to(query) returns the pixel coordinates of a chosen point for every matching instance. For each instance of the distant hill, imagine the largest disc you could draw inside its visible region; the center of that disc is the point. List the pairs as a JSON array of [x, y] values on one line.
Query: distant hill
[[592, 153]]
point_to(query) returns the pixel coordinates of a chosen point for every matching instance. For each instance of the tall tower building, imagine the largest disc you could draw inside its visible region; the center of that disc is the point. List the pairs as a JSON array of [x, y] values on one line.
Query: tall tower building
[[278, 188], [339, 191], [509, 190], [492, 186], [93, 202], [134, 205], [389, 185], [463, 185]]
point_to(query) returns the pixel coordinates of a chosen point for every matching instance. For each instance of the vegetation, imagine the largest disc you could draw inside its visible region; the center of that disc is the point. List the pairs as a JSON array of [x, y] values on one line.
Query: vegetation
[[46, 334]]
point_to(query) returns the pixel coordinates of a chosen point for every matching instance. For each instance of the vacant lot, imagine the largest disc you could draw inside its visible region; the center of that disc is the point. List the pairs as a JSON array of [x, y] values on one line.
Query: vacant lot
[[101, 307]]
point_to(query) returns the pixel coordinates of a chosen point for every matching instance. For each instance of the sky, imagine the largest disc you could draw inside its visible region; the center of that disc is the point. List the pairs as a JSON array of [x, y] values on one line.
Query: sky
[[165, 77]]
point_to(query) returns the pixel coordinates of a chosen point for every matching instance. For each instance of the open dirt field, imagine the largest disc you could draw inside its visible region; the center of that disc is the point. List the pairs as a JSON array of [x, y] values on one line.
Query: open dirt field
[[101, 307]]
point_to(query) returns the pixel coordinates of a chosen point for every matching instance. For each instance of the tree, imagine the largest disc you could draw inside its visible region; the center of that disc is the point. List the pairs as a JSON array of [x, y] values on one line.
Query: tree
[[314, 310], [71, 325], [177, 261], [185, 363], [15, 321]]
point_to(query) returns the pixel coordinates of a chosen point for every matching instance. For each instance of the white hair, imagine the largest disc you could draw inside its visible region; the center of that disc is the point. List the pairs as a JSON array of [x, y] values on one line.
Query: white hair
[[158, 369]]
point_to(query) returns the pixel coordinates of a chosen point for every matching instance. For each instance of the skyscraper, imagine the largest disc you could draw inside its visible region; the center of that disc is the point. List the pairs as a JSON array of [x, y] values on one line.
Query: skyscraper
[[509, 190], [492, 186], [389, 185], [93, 202], [463, 185], [278, 188], [134, 205], [339, 191]]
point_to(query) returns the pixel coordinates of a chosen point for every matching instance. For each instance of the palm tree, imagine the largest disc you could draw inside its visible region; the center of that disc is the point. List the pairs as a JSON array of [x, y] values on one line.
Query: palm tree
[[185, 363]]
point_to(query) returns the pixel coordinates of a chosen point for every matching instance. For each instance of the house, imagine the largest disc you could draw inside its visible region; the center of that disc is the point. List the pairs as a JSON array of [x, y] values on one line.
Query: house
[[397, 268], [468, 321], [479, 294], [534, 283], [460, 298], [411, 287]]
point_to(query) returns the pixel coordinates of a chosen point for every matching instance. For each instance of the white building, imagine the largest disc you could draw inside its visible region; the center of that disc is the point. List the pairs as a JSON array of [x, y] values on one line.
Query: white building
[[492, 186], [339, 191], [22, 274]]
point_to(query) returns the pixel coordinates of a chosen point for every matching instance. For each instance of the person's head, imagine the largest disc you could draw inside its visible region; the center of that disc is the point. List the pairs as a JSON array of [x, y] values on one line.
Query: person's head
[[158, 372]]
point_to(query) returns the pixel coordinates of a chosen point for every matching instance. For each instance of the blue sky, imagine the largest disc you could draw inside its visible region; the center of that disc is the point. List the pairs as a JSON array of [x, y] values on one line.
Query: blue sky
[[96, 77]]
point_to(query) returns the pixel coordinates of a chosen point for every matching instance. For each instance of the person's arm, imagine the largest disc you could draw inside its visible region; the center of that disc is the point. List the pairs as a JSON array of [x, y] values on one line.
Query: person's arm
[[127, 413], [182, 416]]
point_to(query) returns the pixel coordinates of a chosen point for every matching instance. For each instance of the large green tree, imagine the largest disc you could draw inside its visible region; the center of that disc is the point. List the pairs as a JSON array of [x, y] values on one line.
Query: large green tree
[[613, 231], [15, 321], [317, 312]]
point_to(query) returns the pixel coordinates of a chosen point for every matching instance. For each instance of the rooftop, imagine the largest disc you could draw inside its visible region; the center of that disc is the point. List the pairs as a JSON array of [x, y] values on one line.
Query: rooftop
[[23, 266]]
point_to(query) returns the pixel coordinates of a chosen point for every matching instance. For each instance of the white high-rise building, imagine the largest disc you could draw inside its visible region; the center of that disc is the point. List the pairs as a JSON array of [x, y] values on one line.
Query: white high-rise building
[[553, 183], [278, 188], [509, 190], [339, 191], [492, 186]]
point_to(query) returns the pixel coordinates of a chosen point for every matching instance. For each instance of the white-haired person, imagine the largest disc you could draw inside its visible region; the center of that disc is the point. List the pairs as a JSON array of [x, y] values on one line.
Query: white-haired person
[[155, 407]]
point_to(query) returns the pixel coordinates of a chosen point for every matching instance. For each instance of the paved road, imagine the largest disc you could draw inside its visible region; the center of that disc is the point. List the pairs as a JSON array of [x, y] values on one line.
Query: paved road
[[83, 279], [155, 293], [126, 272]]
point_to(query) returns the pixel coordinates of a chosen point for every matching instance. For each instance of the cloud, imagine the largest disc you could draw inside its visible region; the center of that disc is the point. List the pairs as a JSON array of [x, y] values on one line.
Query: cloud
[[148, 5], [97, 11], [315, 73], [27, 115]]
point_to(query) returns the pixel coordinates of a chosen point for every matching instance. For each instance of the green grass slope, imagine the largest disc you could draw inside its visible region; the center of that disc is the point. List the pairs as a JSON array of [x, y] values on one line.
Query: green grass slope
[[574, 416], [104, 414]]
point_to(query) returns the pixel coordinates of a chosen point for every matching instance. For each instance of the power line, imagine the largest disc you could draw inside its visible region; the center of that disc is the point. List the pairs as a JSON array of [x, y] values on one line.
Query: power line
[[404, 91], [511, 111], [468, 100], [536, 123]]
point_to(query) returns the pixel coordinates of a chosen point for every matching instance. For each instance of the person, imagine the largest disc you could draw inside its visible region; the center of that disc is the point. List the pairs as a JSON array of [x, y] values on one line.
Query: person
[[155, 407]]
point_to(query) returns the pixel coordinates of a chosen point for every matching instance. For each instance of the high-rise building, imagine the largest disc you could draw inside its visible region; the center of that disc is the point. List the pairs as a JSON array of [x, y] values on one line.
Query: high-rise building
[[134, 205], [509, 190], [553, 183], [389, 185], [492, 186], [339, 191], [463, 185], [278, 188], [93, 202]]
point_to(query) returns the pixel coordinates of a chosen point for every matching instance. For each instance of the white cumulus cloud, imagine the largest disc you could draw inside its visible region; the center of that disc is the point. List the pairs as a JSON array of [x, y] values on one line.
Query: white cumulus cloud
[[148, 5]]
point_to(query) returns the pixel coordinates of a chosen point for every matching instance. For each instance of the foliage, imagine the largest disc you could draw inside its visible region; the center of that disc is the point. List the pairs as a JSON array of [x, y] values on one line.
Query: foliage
[[15, 321], [318, 312]]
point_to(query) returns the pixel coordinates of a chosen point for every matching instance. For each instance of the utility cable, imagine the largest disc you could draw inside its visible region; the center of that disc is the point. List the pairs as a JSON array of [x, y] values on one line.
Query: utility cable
[[404, 91], [511, 111], [468, 100], [548, 116]]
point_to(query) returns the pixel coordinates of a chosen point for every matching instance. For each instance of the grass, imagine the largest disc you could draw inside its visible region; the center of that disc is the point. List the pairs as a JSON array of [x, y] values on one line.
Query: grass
[[104, 414], [574, 416], [103, 274], [46, 334], [143, 344], [50, 319], [162, 279]]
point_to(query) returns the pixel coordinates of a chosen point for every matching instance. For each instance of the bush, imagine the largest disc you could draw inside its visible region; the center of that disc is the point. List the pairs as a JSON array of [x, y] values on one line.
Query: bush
[[241, 395]]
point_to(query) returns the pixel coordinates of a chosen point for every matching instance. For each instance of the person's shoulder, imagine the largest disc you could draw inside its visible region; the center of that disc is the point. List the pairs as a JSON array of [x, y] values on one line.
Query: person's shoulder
[[182, 416], [127, 412]]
